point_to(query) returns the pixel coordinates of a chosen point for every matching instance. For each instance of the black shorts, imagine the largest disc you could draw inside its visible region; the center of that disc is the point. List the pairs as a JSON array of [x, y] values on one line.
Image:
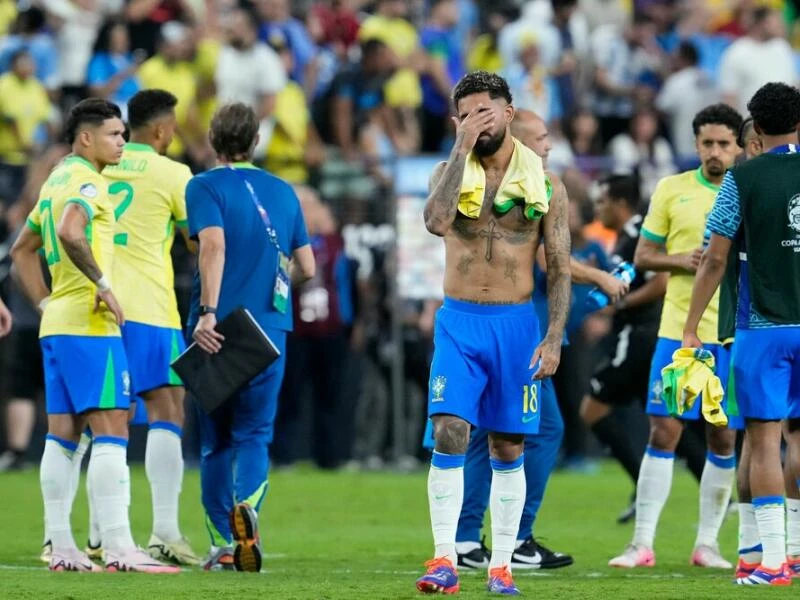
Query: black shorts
[[622, 376], [25, 367]]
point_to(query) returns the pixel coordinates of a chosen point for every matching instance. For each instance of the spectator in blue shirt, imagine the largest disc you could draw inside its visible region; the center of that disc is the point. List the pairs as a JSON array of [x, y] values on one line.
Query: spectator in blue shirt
[[112, 70], [29, 33], [445, 66], [248, 224], [277, 19]]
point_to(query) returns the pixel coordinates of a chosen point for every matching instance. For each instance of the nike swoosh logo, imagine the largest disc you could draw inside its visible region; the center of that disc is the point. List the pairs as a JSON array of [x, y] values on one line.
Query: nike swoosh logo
[[793, 509], [504, 500], [528, 419], [442, 497]]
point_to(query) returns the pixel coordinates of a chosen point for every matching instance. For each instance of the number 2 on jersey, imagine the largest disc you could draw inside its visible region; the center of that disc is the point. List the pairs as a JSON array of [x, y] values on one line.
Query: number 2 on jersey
[[49, 231], [126, 190]]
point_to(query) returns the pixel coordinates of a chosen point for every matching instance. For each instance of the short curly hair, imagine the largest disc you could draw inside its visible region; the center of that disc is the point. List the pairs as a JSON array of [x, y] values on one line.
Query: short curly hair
[[718, 114], [479, 82], [775, 108]]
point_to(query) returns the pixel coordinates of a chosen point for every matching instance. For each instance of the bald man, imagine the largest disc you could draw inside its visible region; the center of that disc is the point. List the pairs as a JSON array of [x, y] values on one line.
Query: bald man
[[541, 450]]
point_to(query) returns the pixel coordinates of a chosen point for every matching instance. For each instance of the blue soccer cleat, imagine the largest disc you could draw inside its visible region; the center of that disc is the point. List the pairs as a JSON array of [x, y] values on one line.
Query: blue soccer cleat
[[501, 582], [441, 577]]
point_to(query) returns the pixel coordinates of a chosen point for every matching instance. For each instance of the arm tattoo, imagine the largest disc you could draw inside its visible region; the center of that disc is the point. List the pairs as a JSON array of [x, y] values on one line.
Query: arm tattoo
[[440, 209], [80, 253], [557, 252]]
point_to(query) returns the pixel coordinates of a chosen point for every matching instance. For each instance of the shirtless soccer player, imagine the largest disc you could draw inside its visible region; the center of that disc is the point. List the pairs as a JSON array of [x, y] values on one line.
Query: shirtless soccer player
[[488, 202]]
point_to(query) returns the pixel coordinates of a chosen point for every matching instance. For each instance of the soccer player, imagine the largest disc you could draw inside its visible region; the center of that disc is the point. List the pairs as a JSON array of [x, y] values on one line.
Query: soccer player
[[541, 449], [622, 374], [487, 341], [147, 190], [759, 201], [671, 240], [86, 371]]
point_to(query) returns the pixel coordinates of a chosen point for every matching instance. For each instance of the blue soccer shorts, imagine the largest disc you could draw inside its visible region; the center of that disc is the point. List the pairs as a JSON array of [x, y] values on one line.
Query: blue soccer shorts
[[663, 357], [150, 351], [85, 373], [767, 374], [481, 366]]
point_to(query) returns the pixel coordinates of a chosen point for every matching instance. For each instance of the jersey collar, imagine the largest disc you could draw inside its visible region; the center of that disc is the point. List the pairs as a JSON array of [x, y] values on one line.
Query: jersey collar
[[701, 179], [139, 147], [784, 149], [74, 158]]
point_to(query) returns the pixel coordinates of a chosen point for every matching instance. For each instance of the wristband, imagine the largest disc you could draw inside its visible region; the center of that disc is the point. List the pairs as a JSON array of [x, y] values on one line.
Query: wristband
[[103, 284], [43, 303]]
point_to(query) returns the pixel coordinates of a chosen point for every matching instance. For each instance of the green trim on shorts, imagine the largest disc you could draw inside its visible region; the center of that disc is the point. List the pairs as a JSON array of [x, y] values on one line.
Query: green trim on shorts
[[108, 398], [173, 354], [732, 405]]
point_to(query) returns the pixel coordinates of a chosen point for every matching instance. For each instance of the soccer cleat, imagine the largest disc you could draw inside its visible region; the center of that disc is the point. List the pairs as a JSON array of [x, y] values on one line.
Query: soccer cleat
[[762, 576], [501, 582], [440, 578], [709, 557], [94, 552], [47, 552], [244, 526], [73, 560], [477, 558], [793, 565], [634, 556], [743, 569], [136, 560], [532, 555], [177, 553], [219, 559]]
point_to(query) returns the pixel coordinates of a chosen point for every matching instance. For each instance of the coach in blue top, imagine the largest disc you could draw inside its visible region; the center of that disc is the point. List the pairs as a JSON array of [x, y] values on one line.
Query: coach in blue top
[[253, 246]]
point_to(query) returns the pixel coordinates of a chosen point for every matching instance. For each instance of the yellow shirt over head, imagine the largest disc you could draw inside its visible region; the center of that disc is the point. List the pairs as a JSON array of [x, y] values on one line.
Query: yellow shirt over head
[[147, 191], [71, 307], [677, 218]]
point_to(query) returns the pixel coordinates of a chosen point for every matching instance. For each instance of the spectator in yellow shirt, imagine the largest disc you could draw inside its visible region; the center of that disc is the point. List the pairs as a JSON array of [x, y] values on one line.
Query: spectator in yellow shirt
[[24, 108], [295, 144], [389, 25], [171, 70]]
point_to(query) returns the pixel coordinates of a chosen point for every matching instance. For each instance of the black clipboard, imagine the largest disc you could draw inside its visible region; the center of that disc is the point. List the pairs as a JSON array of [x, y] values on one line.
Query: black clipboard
[[246, 352]]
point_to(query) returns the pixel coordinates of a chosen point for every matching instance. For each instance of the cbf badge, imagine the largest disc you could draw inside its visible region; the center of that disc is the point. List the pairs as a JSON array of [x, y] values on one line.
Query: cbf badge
[[280, 295]]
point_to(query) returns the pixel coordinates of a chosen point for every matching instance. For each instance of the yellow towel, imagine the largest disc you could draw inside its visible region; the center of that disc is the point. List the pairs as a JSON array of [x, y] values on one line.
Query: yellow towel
[[690, 374], [524, 183]]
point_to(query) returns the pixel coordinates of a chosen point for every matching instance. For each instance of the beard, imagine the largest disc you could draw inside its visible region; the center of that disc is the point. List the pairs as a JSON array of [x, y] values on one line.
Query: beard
[[487, 146], [715, 168]]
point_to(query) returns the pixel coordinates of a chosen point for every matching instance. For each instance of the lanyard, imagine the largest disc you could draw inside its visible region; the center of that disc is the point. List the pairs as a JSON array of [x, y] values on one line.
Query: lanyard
[[273, 237]]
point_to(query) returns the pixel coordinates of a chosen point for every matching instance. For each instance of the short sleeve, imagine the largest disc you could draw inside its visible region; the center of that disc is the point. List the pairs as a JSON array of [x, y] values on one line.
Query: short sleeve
[[726, 214], [656, 224], [182, 175], [299, 232], [88, 194], [202, 207], [34, 220]]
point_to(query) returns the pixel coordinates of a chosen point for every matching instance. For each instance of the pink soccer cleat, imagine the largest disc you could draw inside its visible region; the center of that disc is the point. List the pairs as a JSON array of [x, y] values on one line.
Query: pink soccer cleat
[[634, 556]]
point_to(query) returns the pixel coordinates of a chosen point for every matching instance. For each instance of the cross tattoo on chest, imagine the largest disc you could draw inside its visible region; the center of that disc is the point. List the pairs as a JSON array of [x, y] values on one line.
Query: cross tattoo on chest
[[490, 234]]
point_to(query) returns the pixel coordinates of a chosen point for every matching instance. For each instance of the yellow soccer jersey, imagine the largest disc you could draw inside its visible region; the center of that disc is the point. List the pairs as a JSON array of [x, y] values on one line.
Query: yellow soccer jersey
[[147, 190], [677, 218], [71, 307]]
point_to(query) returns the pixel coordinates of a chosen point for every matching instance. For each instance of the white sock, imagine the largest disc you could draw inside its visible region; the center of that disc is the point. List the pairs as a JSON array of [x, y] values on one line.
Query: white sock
[[77, 463], [506, 501], [54, 477], [163, 463], [749, 542], [445, 497], [94, 524], [652, 491], [110, 481], [715, 493], [793, 527], [772, 530]]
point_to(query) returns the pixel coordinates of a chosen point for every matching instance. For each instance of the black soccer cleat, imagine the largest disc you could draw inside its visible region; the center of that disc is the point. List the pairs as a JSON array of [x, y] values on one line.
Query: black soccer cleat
[[627, 515], [532, 555], [477, 558]]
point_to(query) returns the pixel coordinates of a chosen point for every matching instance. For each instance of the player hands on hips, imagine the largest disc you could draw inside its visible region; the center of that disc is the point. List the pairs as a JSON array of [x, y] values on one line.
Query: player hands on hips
[[86, 370], [489, 354]]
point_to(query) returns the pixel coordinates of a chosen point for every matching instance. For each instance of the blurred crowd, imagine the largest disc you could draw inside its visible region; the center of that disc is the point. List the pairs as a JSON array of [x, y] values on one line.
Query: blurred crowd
[[344, 90]]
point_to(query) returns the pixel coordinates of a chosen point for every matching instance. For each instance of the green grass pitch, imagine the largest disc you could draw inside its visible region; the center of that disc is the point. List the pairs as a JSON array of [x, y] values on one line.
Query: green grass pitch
[[332, 536]]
